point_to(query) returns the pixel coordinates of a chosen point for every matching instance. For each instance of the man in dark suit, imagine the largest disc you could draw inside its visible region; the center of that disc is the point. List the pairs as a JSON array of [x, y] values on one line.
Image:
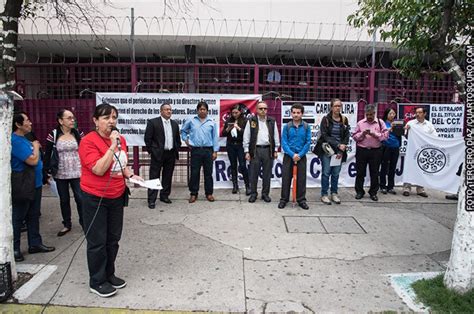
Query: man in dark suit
[[162, 142]]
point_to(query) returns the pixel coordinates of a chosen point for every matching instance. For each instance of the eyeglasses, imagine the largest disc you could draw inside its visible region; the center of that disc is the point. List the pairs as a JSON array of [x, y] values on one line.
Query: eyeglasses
[[69, 118], [262, 108]]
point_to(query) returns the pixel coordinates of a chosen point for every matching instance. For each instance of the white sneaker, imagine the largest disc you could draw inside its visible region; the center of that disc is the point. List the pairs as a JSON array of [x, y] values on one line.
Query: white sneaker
[[335, 198], [325, 199]]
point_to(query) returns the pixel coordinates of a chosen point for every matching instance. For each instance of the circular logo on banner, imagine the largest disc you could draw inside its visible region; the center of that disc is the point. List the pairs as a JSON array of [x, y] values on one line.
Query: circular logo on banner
[[431, 160]]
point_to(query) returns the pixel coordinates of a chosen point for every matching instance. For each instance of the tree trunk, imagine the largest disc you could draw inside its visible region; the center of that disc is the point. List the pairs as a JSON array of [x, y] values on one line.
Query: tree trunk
[[459, 275], [457, 75], [8, 48], [6, 229]]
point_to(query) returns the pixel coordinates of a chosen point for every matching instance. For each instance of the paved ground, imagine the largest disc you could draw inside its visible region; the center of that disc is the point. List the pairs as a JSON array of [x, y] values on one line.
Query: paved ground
[[231, 255]]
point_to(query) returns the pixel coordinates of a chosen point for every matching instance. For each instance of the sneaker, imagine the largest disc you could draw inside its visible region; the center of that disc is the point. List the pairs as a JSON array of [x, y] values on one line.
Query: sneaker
[[116, 282], [325, 199], [104, 290], [335, 198]]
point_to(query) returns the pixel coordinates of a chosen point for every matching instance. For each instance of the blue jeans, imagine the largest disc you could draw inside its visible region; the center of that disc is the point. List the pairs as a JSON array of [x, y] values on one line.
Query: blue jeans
[[329, 171]]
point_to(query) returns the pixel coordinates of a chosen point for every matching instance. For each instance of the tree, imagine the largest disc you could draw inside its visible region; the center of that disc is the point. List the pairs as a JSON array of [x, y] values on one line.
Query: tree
[[66, 11], [431, 32]]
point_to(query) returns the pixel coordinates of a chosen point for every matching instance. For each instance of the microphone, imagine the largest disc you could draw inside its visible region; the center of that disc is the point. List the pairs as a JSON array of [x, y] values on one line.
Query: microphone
[[119, 145]]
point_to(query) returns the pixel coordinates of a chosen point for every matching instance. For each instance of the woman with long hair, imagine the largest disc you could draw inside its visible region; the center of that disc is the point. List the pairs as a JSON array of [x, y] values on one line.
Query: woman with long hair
[[390, 153], [63, 164], [335, 131], [234, 131]]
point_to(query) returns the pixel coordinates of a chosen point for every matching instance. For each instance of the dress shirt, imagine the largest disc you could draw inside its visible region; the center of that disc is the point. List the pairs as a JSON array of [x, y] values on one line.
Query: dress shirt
[[262, 136], [168, 133], [369, 141], [201, 133], [296, 140], [425, 126]]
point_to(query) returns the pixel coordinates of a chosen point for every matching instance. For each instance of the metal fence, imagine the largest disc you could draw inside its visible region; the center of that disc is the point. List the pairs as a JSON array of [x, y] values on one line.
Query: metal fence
[[50, 87]]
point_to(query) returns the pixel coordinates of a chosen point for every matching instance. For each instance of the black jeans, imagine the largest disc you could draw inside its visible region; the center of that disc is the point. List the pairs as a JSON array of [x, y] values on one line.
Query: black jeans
[[162, 168], [236, 153], [389, 165], [262, 159], [201, 157], [64, 199], [27, 211], [287, 177], [103, 234], [364, 157]]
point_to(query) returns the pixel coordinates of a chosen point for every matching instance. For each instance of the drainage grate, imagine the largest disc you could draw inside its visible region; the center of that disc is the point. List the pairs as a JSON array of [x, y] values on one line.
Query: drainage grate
[[323, 224]]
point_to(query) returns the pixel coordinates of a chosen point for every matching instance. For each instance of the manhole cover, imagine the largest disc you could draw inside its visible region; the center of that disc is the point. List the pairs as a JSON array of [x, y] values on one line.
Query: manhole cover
[[323, 224]]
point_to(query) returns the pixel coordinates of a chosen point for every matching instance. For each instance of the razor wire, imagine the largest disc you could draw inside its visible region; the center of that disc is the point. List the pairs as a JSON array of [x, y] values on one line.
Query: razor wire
[[252, 41]]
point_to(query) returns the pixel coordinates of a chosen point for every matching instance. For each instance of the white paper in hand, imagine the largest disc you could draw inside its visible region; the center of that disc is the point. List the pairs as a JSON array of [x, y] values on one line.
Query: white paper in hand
[[154, 184], [335, 161]]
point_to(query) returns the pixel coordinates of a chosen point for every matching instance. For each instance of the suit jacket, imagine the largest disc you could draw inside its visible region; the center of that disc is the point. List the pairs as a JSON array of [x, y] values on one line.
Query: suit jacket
[[155, 137]]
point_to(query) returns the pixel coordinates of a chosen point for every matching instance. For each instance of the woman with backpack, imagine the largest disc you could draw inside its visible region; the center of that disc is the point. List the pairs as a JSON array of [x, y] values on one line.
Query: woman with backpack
[[63, 164], [332, 143]]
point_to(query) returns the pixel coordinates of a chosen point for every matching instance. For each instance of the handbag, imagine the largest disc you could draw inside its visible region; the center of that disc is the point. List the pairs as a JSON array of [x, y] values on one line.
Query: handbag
[[23, 184], [126, 196]]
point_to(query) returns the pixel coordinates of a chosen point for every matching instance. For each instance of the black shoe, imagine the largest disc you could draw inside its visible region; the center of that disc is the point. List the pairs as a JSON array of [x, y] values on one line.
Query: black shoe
[[116, 282], [63, 232], [23, 228], [374, 198], [41, 249], [452, 197], [252, 198], [304, 205], [165, 200], [406, 193], [266, 198], [151, 205], [235, 188], [423, 194], [104, 290], [282, 204], [383, 191], [392, 191], [18, 256], [359, 196]]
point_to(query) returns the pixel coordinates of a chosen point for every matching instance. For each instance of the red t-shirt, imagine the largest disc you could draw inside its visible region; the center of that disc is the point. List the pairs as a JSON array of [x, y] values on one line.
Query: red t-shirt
[[92, 148]]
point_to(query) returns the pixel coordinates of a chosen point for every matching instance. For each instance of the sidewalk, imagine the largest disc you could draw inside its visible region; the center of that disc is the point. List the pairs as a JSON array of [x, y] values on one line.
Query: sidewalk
[[235, 256]]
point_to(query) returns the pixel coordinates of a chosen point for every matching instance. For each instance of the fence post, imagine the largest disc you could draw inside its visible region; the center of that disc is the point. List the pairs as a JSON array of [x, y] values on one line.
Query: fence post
[[256, 79], [136, 149], [372, 85]]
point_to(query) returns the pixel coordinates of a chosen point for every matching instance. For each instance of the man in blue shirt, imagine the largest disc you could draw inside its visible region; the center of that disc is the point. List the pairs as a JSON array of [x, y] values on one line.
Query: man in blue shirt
[[295, 141], [202, 136], [25, 153]]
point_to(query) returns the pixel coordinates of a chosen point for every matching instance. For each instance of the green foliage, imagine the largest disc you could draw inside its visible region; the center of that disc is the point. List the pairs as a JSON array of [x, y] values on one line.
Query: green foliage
[[418, 27], [30, 8], [434, 294]]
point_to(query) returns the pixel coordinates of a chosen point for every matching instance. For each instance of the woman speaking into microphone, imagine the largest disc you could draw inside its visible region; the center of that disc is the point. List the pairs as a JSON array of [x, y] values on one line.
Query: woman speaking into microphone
[[103, 154]]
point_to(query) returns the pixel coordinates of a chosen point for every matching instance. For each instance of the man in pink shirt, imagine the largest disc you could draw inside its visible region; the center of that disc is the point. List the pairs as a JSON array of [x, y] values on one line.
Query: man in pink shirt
[[369, 134]]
